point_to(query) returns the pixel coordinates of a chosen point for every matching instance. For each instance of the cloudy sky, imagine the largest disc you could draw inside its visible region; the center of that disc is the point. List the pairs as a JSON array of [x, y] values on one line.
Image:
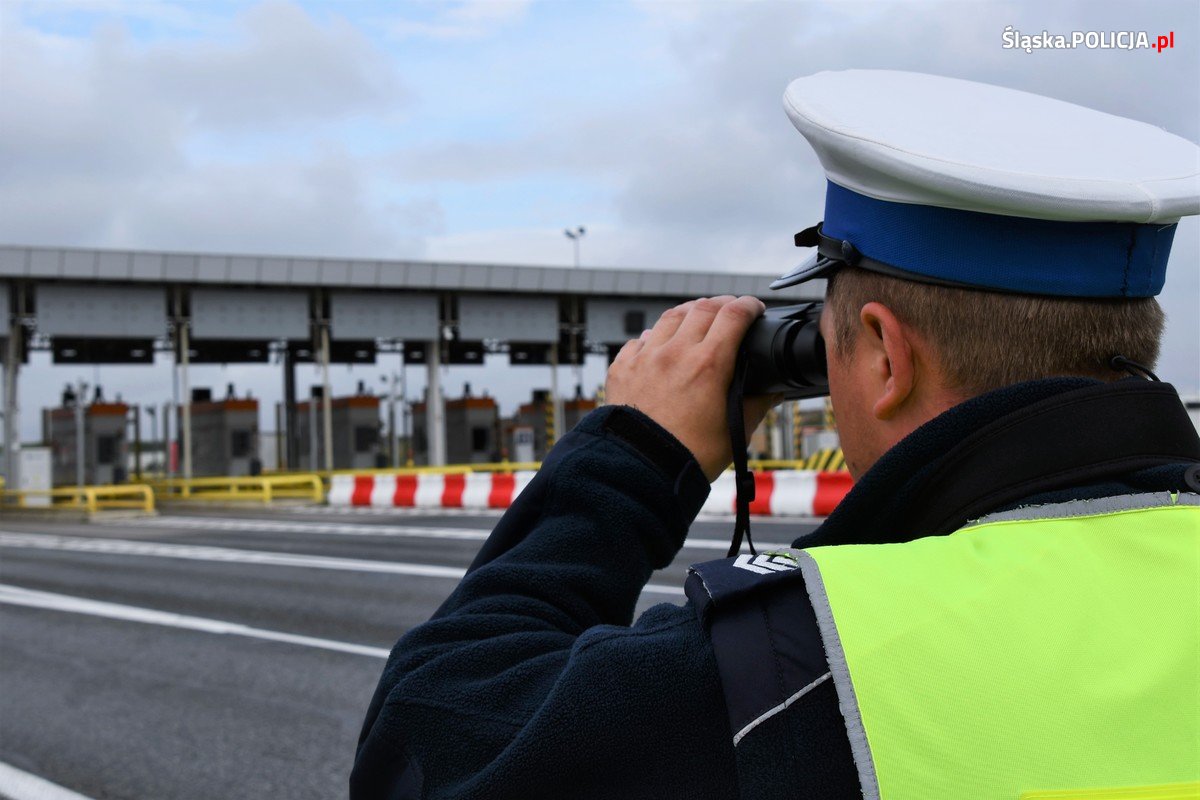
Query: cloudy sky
[[478, 130]]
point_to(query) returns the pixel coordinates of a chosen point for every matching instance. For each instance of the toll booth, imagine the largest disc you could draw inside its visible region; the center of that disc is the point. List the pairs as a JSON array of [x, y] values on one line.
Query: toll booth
[[105, 446], [520, 440], [814, 431], [357, 443], [224, 435], [533, 424], [472, 430], [532, 427], [575, 410]]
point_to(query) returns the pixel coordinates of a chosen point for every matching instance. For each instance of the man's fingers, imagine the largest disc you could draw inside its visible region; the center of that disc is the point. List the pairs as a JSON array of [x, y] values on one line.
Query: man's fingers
[[700, 317], [668, 323], [629, 349], [731, 324]]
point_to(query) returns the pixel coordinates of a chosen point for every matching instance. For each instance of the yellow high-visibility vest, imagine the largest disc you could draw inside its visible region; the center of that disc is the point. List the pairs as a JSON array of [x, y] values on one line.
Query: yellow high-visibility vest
[[1049, 652]]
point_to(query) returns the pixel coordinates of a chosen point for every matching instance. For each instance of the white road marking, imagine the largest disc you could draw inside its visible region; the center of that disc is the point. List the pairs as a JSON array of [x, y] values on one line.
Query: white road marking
[[78, 544], [392, 511], [17, 596], [282, 526], [17, 784], [355, 529], [495, 514]]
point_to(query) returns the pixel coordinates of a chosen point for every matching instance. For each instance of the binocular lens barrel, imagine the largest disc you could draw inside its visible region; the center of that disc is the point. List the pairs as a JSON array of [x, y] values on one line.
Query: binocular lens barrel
[[786, 353]]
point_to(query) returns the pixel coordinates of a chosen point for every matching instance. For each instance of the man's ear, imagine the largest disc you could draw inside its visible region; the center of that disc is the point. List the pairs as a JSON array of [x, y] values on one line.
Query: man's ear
[[890, 359]]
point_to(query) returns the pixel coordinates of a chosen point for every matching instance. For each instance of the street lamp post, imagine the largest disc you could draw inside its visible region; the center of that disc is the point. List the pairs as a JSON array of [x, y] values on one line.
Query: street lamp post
[[397, 436], [575, 236], [152, 412], [392, 442]]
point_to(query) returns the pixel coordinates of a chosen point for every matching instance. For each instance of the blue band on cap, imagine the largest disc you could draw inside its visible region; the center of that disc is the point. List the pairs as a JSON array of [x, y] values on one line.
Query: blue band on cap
[[993, 251]]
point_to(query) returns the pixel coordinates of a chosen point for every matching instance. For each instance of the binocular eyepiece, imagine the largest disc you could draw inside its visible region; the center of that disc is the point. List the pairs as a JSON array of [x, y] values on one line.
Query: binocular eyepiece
[[785, 353]]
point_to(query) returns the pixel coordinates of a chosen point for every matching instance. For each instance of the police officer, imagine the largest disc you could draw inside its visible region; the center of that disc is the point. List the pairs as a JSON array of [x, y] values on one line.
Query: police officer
[[1004, 606]]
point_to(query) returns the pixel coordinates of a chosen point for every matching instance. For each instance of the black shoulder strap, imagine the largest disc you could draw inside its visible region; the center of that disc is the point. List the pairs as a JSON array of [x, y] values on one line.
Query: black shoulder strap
[[1085, 436], [762, 628], [743, 479]]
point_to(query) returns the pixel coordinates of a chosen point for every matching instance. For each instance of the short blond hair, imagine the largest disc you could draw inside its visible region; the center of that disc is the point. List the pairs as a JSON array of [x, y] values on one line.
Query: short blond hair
[[986, 340]]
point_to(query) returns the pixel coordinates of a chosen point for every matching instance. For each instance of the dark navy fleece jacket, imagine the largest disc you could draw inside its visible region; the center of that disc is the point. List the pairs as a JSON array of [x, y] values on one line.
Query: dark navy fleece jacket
[[530, 681], [533, 681]]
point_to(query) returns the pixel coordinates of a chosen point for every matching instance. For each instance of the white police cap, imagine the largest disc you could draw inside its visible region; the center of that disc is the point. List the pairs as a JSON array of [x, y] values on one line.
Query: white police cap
[[953, 182]]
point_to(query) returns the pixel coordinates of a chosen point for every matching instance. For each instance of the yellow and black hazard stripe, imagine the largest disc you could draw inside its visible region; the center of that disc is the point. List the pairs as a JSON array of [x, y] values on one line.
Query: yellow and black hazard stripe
[[829, 460]]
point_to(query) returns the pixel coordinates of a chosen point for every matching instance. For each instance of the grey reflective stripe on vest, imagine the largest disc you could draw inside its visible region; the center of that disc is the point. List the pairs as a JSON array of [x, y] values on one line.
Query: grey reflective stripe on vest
[[1088, 508], [839, 669], [840, 672]]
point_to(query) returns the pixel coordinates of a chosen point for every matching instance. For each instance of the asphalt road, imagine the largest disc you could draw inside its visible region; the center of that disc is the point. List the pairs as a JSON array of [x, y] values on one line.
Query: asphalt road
[[225, 654]]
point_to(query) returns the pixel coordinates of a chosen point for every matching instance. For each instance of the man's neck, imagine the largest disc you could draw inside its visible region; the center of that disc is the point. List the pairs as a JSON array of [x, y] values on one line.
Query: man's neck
[[1033, 437]]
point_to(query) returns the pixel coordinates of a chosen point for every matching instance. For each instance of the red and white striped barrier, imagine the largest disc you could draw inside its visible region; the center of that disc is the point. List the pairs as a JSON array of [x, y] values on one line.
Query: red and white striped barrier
[[457, 490], [783, 493], [779, 493]]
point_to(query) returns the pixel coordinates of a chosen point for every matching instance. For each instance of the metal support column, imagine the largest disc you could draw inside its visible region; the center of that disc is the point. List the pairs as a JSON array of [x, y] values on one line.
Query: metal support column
[[787, 416], [555, 397], [797, 431], [393, 447], [152, 412], [12, 435], [314, 445], [280, 441], [291, 449], [326, 399], [80, 432], [405, 413], [137, 441], [435, 409], [775, 433], [168, 452], [185, 385], [576, 360], [175, 410]]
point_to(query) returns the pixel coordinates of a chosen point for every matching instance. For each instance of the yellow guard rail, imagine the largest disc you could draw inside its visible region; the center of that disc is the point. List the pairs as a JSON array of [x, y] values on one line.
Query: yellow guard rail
[[258, 488], [85, 498]]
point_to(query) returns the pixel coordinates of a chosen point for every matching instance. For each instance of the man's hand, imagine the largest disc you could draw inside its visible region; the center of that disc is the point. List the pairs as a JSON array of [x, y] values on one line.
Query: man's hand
[[678, 374]]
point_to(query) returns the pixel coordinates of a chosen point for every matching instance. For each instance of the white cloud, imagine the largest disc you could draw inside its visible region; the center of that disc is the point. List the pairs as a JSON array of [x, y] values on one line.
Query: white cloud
[[286, 70], [111, 141], [321, 206], [460, 20]]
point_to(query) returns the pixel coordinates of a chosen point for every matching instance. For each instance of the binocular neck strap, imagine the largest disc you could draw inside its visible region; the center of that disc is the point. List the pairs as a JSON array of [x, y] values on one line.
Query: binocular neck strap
[[735, 416]]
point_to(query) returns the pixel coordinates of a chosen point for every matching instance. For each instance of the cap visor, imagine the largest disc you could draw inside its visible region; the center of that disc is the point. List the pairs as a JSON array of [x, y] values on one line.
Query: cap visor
[[815, 266]]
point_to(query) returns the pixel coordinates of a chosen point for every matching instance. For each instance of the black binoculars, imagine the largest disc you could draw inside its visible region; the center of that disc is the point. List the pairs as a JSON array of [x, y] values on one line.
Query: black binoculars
[[785, 353]]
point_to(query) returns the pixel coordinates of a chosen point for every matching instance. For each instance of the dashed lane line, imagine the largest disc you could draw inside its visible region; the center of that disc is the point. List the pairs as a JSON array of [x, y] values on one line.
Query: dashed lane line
[[77, 544], [353, 529], [19, 596]]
